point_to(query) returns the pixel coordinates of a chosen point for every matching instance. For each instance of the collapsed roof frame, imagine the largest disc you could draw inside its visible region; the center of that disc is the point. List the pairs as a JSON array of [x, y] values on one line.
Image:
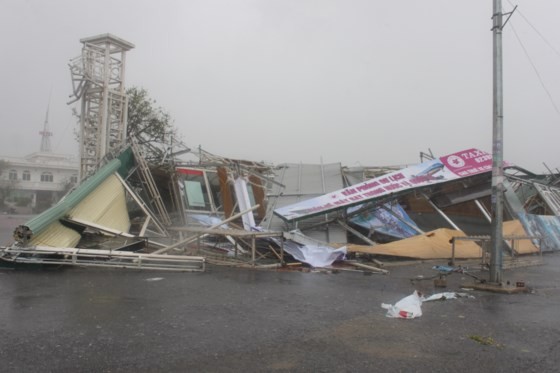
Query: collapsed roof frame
[[468, 179], [213, 178]]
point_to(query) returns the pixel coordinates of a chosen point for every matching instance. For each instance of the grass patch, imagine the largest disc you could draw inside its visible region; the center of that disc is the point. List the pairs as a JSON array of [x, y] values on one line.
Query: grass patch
[[486, 341]]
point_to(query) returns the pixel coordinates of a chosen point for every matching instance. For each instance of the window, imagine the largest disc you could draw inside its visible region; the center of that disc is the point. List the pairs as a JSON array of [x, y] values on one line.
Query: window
[[46, 177], [201, 189], [195, 194], [12, 175], [74, 179], [26, 175]]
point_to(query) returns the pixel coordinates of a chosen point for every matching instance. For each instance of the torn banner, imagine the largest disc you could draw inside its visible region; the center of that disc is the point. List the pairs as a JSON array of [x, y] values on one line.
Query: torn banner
[[450, 167], [316, 256]]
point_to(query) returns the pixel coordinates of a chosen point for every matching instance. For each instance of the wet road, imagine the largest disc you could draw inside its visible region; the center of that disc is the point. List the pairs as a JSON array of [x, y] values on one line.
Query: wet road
[[227, 320]]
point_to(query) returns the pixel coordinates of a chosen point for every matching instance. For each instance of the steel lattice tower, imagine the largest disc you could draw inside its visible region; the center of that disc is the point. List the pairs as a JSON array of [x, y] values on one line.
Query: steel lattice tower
[[98, 80]]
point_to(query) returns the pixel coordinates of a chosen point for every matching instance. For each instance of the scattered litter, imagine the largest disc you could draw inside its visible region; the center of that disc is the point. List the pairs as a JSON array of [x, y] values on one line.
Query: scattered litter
[[154, 279], [411, 306], [445, 296], [447, 270], [407, 308]]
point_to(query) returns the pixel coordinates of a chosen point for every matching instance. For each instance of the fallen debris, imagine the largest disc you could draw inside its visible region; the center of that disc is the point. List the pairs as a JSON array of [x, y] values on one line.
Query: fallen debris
[[247, 214], [411, 307], [137, 201], [316, 256], [101, 258], [365, 266], [446, 296], [407, 308], [431, 245]]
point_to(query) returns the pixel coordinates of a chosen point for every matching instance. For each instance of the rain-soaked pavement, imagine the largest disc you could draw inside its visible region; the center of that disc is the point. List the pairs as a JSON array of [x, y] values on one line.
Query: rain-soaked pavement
[[228, 320]]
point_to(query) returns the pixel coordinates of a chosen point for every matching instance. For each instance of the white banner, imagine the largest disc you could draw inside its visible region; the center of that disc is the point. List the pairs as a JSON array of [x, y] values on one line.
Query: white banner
[[450, 167]]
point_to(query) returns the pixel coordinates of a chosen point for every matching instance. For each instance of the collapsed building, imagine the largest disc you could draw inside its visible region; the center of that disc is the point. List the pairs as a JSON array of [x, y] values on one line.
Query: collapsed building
[[134, 211], [180, 215]]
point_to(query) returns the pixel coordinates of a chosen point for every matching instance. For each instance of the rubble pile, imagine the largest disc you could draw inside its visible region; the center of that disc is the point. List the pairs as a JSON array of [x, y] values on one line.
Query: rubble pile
[[175, 214]]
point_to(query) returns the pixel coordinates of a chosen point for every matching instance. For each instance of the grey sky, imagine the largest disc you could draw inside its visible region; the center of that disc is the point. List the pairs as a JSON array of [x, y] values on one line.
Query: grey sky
[[361, 82]]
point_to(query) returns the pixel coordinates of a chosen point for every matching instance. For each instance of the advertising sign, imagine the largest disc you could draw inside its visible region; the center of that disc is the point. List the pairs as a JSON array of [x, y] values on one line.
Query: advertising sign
[[382, 221], [454, 166], [546, 227]]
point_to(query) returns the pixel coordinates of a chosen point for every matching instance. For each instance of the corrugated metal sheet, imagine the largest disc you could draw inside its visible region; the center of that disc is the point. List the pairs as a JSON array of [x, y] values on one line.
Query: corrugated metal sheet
[[304, 181], [309, 180], [105, 206], [45, 219], [56, 235]]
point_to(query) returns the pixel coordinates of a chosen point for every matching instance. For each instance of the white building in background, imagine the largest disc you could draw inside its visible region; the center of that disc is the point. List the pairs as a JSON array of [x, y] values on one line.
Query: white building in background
[[37, 180], [40, 177]]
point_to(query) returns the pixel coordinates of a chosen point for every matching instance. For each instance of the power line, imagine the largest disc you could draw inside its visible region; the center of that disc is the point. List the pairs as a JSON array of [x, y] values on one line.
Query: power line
[[537, 31], [535, 69]]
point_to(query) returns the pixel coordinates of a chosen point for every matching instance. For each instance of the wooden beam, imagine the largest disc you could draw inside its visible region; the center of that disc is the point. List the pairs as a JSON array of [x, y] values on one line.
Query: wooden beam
[[360, 265]]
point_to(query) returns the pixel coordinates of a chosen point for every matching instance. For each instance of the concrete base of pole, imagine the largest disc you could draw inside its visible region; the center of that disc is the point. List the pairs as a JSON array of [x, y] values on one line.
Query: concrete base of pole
[[497, 288]]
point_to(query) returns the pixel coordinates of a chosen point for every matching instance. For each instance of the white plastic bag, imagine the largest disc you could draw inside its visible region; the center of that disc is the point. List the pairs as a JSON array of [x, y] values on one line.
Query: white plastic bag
[[407, 308], [446, 295]]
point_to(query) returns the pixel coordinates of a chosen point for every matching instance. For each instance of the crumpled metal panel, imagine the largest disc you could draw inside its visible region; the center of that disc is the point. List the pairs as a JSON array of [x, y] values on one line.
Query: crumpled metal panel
[[105, 206], [304, 181], [43, 220], [56, 235]]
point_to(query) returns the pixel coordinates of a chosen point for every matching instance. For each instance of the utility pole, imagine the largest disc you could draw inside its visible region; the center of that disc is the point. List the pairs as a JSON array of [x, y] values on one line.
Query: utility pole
[[497, 149], [497, 238]]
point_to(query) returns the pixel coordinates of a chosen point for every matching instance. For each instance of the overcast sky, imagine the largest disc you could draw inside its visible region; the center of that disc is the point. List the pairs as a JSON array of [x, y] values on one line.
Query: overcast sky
[[362, 82]]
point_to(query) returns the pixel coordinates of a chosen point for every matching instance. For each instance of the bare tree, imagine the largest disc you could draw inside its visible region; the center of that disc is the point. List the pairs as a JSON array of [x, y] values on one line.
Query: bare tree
[[152, 125]]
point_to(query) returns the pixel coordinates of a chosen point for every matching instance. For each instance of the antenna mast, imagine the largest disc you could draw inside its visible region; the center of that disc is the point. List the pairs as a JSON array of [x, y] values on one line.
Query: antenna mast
[[46, 134]]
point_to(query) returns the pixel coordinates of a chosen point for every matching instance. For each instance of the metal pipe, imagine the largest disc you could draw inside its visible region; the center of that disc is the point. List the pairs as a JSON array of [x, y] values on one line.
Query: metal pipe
[[191, 239], [442, 214], [483, 210]]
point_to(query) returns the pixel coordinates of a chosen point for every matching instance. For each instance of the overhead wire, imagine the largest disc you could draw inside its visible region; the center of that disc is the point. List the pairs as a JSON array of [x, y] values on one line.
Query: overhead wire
[[537, 31], [535, 69]]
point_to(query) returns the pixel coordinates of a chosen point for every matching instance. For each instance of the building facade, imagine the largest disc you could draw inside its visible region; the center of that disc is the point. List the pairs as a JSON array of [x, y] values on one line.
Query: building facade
[[35, 182]]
